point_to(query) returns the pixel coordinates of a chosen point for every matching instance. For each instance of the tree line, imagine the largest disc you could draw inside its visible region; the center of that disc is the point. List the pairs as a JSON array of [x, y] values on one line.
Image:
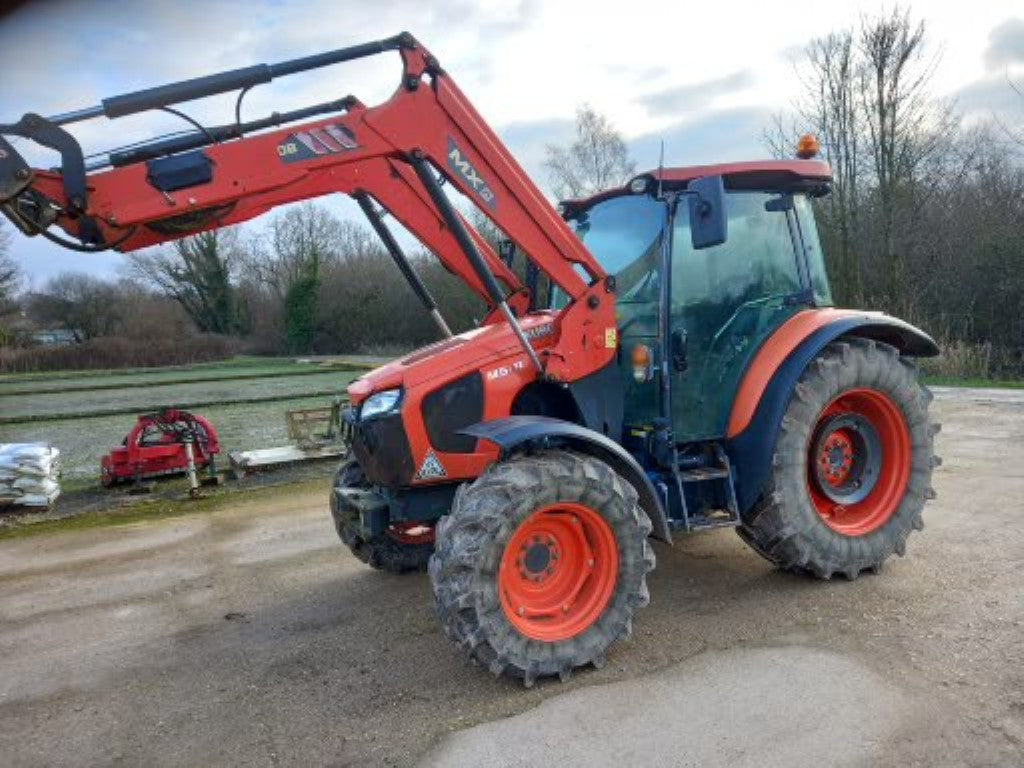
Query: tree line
[[308, 282], [926, 215]]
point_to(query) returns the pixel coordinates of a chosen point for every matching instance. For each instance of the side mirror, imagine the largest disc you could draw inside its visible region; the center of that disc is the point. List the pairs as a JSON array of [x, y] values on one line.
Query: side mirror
[[709, 221]]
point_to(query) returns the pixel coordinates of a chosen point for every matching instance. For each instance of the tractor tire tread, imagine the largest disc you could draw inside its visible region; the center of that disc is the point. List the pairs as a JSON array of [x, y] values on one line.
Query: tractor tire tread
[[783, 527], [469, 545]]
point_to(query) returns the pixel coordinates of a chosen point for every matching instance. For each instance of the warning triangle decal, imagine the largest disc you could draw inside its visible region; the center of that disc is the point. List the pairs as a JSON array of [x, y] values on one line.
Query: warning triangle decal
[[431, 468]]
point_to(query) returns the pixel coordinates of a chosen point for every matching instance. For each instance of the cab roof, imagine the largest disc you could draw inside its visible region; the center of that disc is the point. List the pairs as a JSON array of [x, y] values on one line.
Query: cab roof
[[805, 175]]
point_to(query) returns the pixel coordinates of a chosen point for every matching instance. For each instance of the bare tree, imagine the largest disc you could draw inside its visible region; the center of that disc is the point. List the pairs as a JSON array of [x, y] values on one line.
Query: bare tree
[[840, 124], [1016, 135], [10, 275], [904, 124], [299, 241], [889, 143], [595, 161], [84, 305], [197, 273], [829, 71], [288, 262]]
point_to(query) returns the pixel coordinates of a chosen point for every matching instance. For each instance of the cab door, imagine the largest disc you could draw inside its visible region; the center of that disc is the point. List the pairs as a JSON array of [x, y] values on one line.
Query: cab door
[[725, 302]]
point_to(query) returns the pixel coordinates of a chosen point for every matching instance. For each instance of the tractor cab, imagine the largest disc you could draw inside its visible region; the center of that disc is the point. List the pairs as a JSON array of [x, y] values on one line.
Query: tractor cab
[[691, 316]]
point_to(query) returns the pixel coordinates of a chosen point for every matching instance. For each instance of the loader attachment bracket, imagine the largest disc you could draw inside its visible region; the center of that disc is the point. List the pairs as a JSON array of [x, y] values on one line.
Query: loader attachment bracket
[[15, 174]]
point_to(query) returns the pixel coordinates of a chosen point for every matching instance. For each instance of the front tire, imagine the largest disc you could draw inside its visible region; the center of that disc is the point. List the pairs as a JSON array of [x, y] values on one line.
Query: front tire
[[541, 563], [852, 465], [396, 550]]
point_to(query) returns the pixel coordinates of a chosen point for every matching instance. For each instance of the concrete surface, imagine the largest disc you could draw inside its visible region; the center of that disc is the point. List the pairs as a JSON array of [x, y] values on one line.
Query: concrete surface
[[246, 636], [731, 708]]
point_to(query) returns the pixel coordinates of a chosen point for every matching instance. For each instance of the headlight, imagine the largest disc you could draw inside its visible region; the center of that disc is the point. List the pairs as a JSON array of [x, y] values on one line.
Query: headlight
[[380, 403]]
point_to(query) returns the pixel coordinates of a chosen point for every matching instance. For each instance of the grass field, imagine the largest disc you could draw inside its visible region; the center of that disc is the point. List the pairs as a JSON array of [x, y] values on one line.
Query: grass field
[[86, 414]]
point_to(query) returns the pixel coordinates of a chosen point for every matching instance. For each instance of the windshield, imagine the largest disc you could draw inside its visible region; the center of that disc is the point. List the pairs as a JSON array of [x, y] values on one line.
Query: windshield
[[624, 235]]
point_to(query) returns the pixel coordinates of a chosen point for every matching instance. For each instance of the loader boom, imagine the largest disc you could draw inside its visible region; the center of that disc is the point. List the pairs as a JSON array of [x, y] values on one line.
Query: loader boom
[[398, 153]]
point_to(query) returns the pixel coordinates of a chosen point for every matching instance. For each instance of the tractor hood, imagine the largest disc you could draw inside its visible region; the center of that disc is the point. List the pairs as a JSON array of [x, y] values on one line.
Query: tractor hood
[[456, 356]]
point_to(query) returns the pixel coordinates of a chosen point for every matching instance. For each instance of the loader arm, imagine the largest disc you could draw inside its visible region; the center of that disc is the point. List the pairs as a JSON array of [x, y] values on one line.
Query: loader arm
[[399, 152], [249, 179]]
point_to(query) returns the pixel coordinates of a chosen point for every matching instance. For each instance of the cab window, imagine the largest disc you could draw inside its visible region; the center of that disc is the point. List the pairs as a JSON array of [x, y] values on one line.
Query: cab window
[[624, 235], [815, 256], [728, 299]]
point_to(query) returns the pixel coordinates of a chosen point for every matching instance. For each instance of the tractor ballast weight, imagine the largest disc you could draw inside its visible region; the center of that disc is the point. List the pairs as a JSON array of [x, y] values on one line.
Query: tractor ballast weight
[[684, 369]]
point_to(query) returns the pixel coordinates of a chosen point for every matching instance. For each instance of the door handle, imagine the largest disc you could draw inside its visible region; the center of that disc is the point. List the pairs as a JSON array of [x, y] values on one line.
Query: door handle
[[679, 352]]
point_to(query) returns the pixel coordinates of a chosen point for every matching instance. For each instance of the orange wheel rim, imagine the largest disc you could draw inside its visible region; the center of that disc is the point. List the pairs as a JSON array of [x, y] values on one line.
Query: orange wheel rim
[[858, 461], [558, 572]]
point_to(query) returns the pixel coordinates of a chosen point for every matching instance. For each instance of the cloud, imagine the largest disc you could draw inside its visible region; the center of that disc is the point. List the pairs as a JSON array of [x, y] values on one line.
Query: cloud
[[1005, 45], [793, 53], [528, 140], [691, 97], [40, 261], [990, 96], [718, 137]]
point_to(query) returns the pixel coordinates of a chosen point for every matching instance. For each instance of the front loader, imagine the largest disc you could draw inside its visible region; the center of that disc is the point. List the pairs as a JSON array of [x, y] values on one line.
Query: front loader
[[683, 369]]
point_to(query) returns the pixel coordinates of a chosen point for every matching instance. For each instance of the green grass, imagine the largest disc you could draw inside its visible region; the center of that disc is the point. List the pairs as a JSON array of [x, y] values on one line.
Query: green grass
[[93, 384], [235, 368], [96, 403], [152, 510], [82, 442], [239, 361], [248, 412], [946, 381]]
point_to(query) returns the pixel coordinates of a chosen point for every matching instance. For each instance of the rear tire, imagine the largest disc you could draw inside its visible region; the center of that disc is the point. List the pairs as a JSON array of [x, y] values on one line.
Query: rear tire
[[852, 465], [540, 565], [384, 552]]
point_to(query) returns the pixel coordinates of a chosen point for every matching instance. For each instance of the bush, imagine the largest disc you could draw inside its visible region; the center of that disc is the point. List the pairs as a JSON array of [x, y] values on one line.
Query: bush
[[960, 360], [108, 353]]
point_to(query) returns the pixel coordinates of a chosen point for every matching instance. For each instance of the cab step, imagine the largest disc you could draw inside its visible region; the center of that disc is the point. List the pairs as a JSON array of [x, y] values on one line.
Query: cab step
[[703, 474], [707, 494]]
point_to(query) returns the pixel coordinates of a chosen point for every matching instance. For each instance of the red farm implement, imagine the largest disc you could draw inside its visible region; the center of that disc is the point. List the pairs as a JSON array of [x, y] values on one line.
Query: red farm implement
[[160, 444]]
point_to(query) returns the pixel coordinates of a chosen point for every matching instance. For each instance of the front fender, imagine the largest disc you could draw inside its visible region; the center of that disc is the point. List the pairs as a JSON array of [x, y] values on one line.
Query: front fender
[[540, 431], [768, 384]]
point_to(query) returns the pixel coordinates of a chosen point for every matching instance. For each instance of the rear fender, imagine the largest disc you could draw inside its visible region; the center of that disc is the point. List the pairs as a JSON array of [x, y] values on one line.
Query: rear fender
[[520, 432], [768, 384]]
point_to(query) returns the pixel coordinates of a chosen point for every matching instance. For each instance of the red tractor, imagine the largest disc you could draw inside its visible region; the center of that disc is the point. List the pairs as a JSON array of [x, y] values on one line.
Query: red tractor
[[684, 369]]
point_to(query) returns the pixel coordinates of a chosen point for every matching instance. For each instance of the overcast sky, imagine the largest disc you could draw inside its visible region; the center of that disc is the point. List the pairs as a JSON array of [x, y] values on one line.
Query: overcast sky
[[705, 77]]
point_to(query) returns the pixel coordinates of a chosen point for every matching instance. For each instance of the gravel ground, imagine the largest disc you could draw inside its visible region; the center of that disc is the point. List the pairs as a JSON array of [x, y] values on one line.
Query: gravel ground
[[247, 636]]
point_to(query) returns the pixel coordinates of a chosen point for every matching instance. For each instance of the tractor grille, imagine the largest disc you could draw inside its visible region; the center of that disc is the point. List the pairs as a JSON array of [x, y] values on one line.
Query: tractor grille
[[382, 448]]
